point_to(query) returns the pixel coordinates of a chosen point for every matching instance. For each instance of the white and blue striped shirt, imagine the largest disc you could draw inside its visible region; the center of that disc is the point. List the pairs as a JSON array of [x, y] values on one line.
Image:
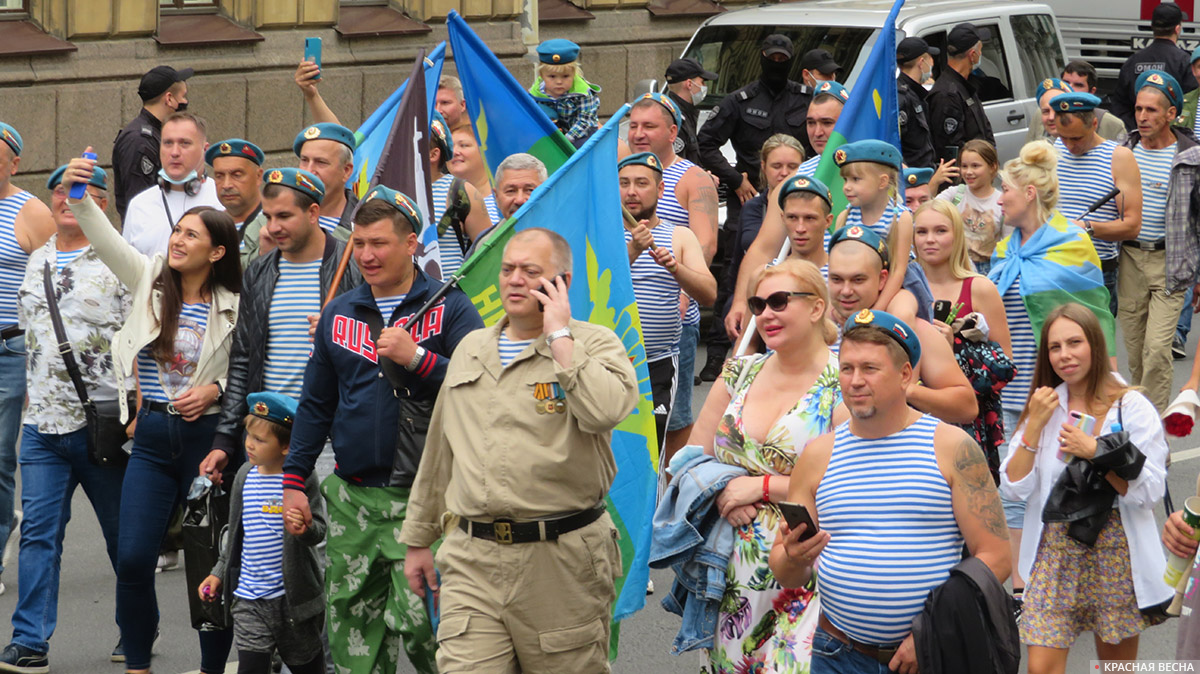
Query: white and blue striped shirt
[[448, 249], [62, 258], [1196, 124], [510, 349], [1024, 345], [670, 210], [493, 210], [1155, 166], [297, 296], [808, 167], [657, 295], [387, 306], [328, 222], [882, 226], [893, 536], [262, 537], [164, 383], [1083, 180], [12, 257]]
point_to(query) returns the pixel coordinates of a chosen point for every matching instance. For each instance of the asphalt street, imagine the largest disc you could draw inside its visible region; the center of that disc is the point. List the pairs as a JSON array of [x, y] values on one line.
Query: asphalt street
[[87, 632]]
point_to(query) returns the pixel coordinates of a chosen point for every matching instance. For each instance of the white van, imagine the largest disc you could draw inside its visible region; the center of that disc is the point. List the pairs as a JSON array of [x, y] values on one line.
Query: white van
[[1025, 47]]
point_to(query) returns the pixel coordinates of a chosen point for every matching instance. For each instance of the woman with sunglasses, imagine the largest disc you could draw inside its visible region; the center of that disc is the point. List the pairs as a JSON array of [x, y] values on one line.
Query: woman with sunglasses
[[769, 408], [176, 341]]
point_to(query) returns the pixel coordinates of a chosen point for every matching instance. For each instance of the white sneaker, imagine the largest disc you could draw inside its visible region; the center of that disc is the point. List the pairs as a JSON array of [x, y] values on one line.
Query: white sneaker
[[13, 544], [650, 587], [168, 561]]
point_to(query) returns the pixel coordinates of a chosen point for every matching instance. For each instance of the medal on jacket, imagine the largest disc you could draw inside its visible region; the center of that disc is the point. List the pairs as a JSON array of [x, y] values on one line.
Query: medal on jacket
[[550, 398]]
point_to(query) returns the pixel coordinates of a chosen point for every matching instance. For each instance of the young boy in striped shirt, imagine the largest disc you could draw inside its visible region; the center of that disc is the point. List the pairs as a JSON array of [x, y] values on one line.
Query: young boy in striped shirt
[[272, 580]]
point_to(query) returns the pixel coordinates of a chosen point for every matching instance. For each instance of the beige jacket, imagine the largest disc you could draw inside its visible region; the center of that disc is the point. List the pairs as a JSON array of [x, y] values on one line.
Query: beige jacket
[[138, 273], [497, 456]]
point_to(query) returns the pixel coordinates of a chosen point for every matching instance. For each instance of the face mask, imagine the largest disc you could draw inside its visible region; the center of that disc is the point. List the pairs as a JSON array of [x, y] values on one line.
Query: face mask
[[774, 73], [927, 73], [181, 108], [162, 173], [698, 97]]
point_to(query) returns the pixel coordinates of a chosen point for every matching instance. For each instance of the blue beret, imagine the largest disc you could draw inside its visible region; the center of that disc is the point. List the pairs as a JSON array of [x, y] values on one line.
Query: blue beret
[[439, 130], [871, 150], [99, 178], [805, 184], [647, 159], [1076, 101], [557, 52], [11, 138], [862, 234], [666, 102], [272, 406], [300, 180], [325, 131], [1195, 54], [234, 147], [1164, 83], [400, 202], [833, 89], [1052, 84], [895, 328], [915, 177]]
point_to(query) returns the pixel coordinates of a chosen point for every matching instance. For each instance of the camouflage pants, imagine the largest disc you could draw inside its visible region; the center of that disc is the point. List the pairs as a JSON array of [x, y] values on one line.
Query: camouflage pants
[[370, 605]]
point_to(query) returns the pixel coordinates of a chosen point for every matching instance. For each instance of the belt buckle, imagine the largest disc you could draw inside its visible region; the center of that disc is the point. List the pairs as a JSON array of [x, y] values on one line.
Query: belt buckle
[[171, 409], [503, 531]]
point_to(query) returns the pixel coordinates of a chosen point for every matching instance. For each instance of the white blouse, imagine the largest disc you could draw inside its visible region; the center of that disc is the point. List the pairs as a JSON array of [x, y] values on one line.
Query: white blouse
[[1136, 506]]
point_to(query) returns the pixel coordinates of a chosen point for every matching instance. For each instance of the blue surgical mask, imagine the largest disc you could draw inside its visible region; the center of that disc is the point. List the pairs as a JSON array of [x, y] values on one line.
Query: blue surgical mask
[[162, 173]]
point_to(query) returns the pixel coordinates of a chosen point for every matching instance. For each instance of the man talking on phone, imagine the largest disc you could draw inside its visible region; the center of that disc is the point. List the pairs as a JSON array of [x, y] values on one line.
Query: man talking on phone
[[914, 527]]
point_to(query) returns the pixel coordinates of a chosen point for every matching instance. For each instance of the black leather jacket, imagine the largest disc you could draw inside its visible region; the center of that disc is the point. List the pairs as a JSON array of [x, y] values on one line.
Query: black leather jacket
[[1083, 497], [248, 357]]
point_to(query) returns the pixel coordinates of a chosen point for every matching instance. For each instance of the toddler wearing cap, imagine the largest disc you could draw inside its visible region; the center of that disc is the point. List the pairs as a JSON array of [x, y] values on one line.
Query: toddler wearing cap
[[570, 101]]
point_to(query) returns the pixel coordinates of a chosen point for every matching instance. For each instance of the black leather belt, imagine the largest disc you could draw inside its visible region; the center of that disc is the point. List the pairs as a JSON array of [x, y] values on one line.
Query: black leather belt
[[507, 532], [881, 654], [1109, 265], [155, 406], [10, 332], [1148, 247]]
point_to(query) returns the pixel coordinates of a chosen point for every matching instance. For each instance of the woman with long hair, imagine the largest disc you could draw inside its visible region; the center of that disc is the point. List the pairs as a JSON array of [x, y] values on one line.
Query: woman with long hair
[[978, 201], [176, 343], [467, 162], [768, 409], [1107, 581]]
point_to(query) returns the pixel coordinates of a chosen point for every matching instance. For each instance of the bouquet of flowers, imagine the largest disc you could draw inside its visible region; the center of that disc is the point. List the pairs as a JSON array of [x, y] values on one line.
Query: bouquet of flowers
[[1180, 416]]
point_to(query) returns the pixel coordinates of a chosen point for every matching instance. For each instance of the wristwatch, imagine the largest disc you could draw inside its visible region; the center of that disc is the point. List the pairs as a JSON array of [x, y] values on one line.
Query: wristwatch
[[564, 331], [1087, 227], [418, 356]]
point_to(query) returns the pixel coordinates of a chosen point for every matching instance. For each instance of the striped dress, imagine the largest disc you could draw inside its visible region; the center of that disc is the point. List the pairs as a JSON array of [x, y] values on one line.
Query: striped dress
[[448, 248], [12, 256], [297, 296], [1082, 180], [1024, 345], [891, 540], [262, 537], [1155, 167], [657, 293], [165, 382], [670, 210]]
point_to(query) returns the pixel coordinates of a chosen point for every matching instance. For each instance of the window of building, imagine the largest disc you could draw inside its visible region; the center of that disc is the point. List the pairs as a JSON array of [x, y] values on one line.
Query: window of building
[[11, 9], [185, 5]]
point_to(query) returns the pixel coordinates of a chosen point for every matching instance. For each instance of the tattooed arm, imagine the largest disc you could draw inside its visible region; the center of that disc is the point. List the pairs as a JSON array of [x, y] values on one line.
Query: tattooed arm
[[697, 193], [975, 499]]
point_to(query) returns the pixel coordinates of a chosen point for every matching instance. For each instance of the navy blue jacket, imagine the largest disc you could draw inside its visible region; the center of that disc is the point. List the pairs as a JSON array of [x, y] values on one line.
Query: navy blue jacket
[[346, 398]]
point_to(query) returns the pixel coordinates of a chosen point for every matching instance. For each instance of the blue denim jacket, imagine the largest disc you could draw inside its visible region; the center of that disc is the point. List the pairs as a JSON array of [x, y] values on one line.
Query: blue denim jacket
[[692, 538]]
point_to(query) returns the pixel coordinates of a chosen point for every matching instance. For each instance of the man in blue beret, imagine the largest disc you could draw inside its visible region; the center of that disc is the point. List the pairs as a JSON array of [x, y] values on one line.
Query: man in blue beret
[[327, 151], [807, 206], [237, 171], [1159, 266], [1081, 76], [947, 500], [370, 386], [54, 449], [1089, 166], [917, 190]]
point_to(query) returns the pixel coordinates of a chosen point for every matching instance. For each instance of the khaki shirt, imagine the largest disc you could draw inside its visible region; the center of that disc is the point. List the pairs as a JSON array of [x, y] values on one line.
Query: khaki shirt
[[490, 454]]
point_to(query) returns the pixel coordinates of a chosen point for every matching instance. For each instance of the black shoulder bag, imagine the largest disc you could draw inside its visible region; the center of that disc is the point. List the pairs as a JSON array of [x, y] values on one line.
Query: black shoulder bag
[[106, 434], [412, 419]]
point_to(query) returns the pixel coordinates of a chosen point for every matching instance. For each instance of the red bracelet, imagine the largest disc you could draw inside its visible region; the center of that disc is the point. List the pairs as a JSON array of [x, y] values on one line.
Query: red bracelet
[[767, 488]]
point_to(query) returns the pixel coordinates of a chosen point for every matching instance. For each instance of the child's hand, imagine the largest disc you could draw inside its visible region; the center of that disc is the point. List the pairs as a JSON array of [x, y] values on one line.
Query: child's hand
[[210, 589], [295, 520]]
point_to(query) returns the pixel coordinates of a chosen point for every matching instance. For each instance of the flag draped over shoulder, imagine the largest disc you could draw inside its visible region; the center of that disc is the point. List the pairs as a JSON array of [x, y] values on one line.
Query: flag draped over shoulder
[[601, 293], [373, 134], [872, 112], [1058, 264], [491, 93]]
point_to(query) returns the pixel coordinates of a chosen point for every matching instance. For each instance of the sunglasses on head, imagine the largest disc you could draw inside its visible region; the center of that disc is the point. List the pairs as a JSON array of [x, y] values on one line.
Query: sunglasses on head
[[778, 301]]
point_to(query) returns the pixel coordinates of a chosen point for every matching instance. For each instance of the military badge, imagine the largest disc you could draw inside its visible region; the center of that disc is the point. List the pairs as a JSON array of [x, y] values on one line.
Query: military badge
[[864, 317], [275, 176], [225, 148], [312, 132]]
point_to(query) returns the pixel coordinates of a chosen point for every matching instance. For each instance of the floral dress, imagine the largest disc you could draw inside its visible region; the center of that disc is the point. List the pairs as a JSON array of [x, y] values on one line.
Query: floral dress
[[763, 627]]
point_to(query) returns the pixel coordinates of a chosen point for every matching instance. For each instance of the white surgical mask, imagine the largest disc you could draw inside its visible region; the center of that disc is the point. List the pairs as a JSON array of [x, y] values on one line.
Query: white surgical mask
[[698, 97], [162, 173]]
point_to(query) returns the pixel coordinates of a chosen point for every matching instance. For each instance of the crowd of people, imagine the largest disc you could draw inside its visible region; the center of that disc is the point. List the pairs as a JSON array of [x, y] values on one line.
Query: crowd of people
[[920, 453]]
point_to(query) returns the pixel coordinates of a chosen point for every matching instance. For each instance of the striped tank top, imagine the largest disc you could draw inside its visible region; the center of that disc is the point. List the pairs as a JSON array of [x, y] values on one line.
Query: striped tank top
[[808, 167], [1082, 180], [1155, 167], [1024, 346], [12, 256], [883, 226], [448, 249], [657, 293], [891, 540], [669, 210], [489, 202]]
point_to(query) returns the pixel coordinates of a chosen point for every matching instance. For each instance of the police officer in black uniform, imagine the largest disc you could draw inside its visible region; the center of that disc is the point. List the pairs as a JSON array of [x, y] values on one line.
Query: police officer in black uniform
[[687, 86], [1162, 54], [915, 58], [163, 90], [954, 108]]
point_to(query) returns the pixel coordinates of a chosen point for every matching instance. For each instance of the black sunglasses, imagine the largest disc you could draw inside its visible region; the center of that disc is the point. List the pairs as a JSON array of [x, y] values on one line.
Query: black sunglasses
[[778, 301]]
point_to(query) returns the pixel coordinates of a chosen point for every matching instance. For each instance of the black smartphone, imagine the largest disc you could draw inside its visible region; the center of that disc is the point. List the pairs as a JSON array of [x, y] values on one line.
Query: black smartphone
[[941, 310], [542, 307], [795, 515]]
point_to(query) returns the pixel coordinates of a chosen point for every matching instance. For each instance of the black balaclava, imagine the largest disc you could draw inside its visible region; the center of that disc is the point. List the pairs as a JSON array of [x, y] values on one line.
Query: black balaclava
[[775, 73]]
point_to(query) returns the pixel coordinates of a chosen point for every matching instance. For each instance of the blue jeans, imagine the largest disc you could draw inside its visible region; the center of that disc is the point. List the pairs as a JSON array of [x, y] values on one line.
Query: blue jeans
[[12, 400], [830, 656], [166, 457], [52, 466], [1014, 511], [1185, 318], [681, 411]]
